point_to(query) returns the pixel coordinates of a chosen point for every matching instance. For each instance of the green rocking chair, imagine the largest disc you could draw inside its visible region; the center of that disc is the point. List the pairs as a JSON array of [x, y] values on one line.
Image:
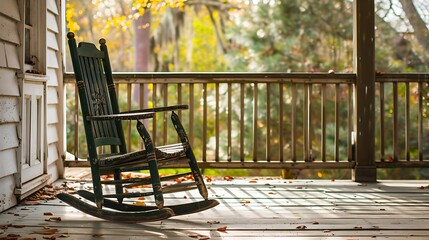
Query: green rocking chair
[[103, 129]]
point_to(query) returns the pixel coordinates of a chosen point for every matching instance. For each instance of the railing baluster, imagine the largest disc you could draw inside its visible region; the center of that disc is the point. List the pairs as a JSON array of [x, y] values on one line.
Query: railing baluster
[[350, 131], [191, 113], [204, 140], [337, 122], [76, 123], [407, 121], [142, 103], [382, 122], [229, 146], [154, 128], [217, 123], [268, 128], [395, 122], [129, 91], [255, 122], [306, 125], [293, 122], [281, 138], [165, 115], [323, 123], [420, 119], [242, 122]]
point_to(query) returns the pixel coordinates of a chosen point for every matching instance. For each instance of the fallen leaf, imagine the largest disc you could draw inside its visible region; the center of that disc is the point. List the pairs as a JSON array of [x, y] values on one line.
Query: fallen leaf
[[362, 185], [27, 238], [46, 231], [203, 238], [32, 203], [253, 181], [11, 235], [48, 214], [139, 203], [302, 227], [18, 226], [193, 235], [141, 198], [97, 235], [228, 178], [326, 231], [272, 193], [49, 237], [5, 226], [53, 219], [315, 222], [358, 227], [221, 229], [245, 201], [213, 222]]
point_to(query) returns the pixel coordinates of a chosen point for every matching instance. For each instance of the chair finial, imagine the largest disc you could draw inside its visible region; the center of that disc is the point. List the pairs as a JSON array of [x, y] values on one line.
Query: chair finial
[[70, 35], [102, 41]]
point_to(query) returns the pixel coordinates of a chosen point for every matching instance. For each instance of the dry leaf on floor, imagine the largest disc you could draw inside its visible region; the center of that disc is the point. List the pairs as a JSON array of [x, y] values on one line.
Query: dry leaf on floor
[[213, 222], [48, 214], [32, 203], [46, 231], [221, 229], [53, 219], [139, 203], [97, 235], [301, 227]]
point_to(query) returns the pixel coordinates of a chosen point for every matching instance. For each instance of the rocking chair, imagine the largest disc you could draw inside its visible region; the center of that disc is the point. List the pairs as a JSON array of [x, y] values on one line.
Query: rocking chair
[[103, 129]]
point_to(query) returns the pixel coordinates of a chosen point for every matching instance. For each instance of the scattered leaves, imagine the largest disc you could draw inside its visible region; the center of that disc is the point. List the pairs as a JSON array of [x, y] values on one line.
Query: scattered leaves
[[222, 229], [228, 178], [46, 231], [53, 219], [213, 222], [18, 226], [139, 203]]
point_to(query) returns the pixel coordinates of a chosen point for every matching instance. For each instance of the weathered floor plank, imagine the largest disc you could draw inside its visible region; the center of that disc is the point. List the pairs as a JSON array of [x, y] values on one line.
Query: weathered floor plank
[[254, 209]]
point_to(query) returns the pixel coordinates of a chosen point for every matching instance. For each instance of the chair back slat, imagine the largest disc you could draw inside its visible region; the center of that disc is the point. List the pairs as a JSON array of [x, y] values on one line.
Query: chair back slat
[[95, 97]]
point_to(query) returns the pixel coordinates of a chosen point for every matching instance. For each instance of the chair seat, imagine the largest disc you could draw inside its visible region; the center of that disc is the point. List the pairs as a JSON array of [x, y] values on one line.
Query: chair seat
[[163, 154]]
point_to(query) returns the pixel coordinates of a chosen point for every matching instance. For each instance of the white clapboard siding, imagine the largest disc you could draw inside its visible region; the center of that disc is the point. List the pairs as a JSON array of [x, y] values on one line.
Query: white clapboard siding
[[52, 153], [52, 114], [52, 59], [51, 21], [53, 172], [52, 6], [3, 62], [9, 30], [52, 73], [51, 40], [8, 136], [7, 196], [12, 57], [10, 8], [51, 95], [7, 162], [9, 109], [8, 83], [52, 134]]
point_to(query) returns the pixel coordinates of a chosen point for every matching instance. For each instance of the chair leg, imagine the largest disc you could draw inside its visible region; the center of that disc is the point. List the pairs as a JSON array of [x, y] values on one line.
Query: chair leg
[[96, 183], [190, 154], [118, 187], [153, 166]]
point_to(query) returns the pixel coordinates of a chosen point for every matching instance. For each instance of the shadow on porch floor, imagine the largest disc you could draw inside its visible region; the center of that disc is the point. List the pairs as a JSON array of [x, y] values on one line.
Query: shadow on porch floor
[[250, 208]]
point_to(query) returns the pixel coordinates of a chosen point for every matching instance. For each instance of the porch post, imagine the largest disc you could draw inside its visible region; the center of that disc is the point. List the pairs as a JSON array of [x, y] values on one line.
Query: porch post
[[364, 67]]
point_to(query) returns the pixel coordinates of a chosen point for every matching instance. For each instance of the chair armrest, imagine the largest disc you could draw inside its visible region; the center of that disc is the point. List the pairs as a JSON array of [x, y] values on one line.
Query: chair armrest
[[122, 116], [160, 109]]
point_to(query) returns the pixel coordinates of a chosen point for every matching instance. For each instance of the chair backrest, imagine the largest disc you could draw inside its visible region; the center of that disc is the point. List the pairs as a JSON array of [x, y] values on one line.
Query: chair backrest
[[97, 95]]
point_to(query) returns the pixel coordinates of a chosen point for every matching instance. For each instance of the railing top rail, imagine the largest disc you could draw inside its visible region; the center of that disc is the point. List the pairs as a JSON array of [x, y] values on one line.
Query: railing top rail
[[239, 77], [402, 77]]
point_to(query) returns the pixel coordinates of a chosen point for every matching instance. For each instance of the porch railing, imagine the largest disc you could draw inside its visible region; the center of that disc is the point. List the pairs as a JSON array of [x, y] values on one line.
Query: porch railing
[[271, 120]]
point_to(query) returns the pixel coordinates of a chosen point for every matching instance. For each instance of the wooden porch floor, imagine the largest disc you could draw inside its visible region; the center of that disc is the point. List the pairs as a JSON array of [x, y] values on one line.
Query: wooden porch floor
[[252, 208]]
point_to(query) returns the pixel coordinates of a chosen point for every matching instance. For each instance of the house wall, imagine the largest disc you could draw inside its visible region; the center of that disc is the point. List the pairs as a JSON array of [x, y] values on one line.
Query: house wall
[[10, 96]]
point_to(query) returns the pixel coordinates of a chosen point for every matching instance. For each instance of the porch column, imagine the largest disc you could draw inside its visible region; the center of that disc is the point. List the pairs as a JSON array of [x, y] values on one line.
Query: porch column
[[364, 67]]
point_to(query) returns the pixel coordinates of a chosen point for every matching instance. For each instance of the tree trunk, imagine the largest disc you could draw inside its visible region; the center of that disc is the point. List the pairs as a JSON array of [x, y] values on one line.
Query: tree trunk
[[421, 31]]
